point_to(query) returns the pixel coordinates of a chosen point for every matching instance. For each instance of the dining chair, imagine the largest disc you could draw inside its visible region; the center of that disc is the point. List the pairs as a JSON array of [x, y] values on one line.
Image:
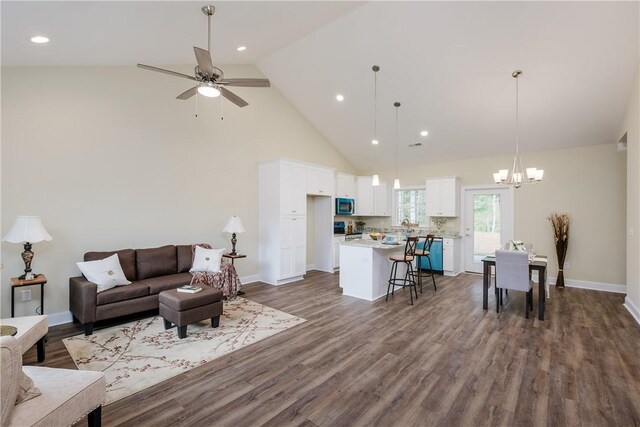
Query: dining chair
[[409, 277], [423, 251], [512, 272]]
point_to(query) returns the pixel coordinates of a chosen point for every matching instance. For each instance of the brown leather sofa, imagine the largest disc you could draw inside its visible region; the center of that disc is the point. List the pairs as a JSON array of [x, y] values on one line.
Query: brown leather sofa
[[150, 272]]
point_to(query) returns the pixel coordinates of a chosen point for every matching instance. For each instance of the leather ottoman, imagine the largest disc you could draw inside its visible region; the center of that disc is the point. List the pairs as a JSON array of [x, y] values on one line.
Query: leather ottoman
[[181, 309]]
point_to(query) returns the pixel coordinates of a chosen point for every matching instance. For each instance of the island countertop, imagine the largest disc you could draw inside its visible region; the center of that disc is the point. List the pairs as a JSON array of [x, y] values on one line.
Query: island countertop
[[373, 244]]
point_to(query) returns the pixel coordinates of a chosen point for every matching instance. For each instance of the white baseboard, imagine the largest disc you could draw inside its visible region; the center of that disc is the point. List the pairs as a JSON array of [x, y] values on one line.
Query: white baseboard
[[252, 278], [60, 318], [595, 286], [632, 308]]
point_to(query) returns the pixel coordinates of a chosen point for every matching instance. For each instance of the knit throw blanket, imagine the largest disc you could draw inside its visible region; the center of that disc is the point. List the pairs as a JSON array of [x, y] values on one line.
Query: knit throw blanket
[[226, 279]]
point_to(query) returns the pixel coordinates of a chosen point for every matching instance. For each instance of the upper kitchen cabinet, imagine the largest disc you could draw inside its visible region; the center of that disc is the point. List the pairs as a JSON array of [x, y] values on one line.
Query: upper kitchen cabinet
[[346, 186], [443, 195], [320, 181], [283, 184], [370, 200]]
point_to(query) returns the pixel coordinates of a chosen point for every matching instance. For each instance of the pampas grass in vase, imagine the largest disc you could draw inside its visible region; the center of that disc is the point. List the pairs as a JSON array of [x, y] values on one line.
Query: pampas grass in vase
[[560, 223]]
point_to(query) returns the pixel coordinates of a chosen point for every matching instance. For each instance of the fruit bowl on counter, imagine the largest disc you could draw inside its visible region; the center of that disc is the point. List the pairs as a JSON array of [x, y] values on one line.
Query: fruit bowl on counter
[[377, 236]]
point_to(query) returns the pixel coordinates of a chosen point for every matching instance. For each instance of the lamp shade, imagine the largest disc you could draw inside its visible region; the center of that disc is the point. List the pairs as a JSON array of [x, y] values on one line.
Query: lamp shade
[[27, 229], [234, 225]]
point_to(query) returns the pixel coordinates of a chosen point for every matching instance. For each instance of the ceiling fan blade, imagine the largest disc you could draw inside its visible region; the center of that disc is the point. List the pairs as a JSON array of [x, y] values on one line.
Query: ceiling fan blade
[[162, 70], [188, 93], [204, 61], [246, 82], [233, 97]]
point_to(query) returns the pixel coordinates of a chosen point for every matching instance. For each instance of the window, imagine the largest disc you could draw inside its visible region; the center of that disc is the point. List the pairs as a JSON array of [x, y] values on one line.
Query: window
[[410, 204]]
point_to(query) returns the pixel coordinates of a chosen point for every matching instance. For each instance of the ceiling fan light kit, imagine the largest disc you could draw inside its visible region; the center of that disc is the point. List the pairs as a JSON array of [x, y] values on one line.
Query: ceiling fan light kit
[[518, 175], [210, 79]]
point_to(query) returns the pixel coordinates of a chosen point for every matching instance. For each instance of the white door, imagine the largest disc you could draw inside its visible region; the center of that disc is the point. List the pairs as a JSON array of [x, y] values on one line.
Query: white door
[[488, 222]]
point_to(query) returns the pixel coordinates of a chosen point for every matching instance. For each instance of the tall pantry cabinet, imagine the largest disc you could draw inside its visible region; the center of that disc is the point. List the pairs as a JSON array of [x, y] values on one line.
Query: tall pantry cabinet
[[282, 197]]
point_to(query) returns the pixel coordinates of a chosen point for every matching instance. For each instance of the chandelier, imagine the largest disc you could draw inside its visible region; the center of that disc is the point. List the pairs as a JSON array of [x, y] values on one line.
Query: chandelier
[[518, 175]]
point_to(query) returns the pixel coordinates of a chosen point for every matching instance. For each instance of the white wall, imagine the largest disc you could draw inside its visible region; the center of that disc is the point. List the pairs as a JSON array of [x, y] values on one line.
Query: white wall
[[589, 183], [631, 127], [109, 159]]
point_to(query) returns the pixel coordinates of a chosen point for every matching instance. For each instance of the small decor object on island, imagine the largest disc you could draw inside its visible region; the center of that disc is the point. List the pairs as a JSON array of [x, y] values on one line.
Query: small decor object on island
[[234, 226], [27, 230], [560, 224]]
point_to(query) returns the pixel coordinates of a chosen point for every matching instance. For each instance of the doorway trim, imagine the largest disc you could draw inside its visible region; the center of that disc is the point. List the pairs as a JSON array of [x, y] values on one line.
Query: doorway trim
[[463, 213]]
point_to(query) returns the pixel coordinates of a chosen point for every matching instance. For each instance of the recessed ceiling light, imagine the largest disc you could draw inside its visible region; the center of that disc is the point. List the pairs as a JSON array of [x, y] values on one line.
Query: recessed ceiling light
[[241, 48], [39, 39], [374, 141], [339, 97], [424, 133]]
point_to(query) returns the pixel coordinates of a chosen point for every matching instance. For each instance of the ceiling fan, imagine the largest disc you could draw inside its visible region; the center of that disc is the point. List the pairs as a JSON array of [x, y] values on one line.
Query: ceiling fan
[[211, 81]]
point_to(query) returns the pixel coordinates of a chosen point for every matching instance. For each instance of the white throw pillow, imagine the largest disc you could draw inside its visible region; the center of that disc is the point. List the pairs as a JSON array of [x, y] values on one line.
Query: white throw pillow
[[207, 260], [106, 273]]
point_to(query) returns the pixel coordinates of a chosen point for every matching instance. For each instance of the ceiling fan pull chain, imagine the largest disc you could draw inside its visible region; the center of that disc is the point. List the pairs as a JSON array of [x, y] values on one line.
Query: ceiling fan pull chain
[[221, 108], [196, 105]]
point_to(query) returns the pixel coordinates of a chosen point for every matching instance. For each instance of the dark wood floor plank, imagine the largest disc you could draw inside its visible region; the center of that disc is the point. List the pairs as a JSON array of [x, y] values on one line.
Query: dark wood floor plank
[[442, 362]]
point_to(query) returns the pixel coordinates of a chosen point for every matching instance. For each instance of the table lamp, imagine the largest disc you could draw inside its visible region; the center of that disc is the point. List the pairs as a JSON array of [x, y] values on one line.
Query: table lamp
[[27, 230], [234, 226]]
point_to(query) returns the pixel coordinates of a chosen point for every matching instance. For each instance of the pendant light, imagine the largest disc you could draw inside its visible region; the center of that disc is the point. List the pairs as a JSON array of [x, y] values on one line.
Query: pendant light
[[375, 181], [396, 182], [516, 176]]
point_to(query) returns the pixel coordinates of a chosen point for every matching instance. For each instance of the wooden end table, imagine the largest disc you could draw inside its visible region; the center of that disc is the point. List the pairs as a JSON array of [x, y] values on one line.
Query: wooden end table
[[234, 257], [16, 282]]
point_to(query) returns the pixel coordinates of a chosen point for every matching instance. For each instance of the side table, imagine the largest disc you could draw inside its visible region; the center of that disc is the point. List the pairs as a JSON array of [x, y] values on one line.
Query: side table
[[234, 257], [16, 282]]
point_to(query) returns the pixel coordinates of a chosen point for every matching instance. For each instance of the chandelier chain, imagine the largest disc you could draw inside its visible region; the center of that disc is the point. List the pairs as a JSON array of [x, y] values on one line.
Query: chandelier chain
[[517, 120]]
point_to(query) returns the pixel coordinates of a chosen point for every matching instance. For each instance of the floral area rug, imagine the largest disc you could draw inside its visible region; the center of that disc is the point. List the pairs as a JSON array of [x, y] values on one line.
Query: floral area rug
[[141, 354]]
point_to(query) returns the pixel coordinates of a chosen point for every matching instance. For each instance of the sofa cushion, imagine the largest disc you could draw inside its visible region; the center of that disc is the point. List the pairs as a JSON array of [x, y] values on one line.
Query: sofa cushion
[[67, 396], [163, 283], [127, 259], [122, 293], [27, 389], [185, 258], [156, 262]]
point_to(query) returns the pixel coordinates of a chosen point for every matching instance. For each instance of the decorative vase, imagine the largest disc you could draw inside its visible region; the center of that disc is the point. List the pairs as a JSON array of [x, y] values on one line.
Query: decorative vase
[[560, 279]]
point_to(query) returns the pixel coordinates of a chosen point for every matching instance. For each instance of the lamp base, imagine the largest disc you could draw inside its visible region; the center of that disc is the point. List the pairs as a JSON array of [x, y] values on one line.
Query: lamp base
[[27, 257], [233, 244], [27, 276]]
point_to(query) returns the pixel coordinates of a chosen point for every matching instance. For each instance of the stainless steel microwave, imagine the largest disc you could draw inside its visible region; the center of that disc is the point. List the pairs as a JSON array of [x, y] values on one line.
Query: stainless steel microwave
[[345, 207]]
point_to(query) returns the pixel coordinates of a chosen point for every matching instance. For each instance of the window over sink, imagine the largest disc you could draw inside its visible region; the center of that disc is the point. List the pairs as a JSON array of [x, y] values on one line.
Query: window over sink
[[410, 204]]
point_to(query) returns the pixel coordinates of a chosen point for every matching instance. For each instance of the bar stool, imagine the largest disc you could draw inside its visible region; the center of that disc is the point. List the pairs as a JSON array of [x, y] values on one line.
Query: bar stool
[[424, 250], [408, 280]]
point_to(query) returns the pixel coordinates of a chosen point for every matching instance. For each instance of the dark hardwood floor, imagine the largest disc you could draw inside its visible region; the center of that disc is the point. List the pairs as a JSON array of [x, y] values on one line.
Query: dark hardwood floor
[[442, 362]]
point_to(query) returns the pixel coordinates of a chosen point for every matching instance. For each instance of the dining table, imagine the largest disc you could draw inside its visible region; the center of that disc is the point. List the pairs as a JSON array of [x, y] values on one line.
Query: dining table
[[539, 264]]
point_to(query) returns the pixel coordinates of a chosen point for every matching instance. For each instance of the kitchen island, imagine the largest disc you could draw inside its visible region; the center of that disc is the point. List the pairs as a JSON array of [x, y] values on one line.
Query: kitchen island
[[365, 268]]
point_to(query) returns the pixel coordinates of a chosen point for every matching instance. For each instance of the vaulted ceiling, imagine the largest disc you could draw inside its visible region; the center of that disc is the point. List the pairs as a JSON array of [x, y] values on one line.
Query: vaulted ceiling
[[448, 63]]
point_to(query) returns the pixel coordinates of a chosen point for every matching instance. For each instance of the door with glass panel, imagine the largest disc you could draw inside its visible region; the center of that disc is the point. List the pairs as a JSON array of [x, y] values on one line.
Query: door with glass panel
[[488, 223]]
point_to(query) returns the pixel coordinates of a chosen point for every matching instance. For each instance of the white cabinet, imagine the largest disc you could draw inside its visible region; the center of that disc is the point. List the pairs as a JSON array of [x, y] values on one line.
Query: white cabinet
[[443, 196], [381, 200], [372, 201], [293, 188], [346, 186], [451, 256], [337, 240], [293, 248], [282, 221], [364, 201], [320, 181]]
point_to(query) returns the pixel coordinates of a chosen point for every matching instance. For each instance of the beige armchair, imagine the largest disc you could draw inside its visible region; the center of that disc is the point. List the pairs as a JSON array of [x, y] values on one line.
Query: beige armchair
[[67, 395]]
